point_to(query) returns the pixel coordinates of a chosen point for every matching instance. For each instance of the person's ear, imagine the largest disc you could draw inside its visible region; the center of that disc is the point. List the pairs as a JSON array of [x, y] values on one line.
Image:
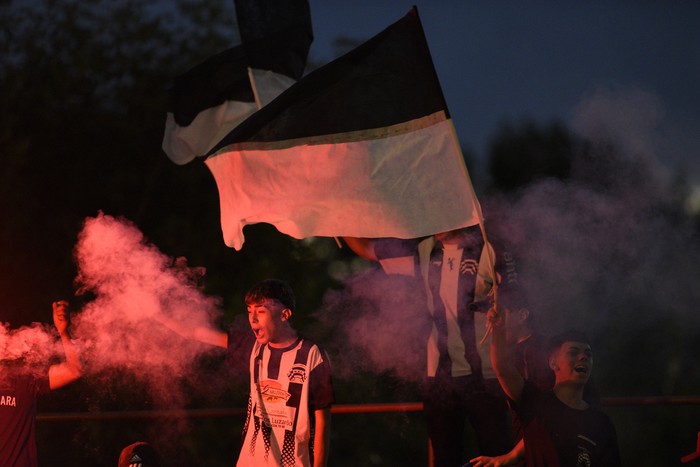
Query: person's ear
[[523, 314], [553, 364], [286, 314]]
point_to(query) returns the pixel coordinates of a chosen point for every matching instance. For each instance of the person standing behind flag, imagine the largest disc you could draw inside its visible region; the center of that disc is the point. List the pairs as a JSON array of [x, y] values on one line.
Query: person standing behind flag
[[291, 393], [19, 387], [452, 269]]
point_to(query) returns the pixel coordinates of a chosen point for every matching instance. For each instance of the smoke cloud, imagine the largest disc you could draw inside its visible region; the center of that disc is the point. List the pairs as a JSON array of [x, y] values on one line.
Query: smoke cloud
[[132, 283], [29, 346], [379, 324], [609, 251]]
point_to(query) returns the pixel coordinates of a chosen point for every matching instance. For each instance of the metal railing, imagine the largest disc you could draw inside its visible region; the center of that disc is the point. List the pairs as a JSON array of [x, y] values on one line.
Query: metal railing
[[391, 407], [336, 409]]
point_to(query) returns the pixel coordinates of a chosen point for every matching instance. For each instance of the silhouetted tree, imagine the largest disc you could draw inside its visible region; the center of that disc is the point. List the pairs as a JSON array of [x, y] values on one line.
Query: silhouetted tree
[[521, 154]]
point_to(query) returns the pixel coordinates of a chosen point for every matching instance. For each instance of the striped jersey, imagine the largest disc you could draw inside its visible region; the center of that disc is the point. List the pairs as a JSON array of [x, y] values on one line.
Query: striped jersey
[[453, 277], [286, 386]]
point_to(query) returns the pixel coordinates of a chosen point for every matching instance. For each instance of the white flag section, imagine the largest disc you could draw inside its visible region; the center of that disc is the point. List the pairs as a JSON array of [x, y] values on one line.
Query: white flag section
[[267, 85], [208, 101], [183, 143], [407, 182]]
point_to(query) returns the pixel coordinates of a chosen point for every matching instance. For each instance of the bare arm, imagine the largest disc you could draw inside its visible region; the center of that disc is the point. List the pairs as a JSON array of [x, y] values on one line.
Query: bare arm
[[502, 359], [66, 372], [202, 334], [322, 440], [211, 337]]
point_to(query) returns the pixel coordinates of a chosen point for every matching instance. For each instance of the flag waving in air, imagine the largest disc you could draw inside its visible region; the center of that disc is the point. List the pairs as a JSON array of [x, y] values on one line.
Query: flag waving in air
[[361, 147], [209, 100]]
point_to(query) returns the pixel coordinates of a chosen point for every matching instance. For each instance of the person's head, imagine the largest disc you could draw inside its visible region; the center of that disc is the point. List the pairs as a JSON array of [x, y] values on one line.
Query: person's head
[[518, 321], [271, 304], [139, 454], [570, 357]]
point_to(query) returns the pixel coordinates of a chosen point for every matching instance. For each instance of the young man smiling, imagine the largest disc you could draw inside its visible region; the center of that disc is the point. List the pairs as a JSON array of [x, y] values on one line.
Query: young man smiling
[[560, 427]]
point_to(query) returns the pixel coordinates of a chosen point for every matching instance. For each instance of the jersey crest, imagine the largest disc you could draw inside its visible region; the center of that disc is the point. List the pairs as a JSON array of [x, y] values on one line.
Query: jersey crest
[[297, 374]]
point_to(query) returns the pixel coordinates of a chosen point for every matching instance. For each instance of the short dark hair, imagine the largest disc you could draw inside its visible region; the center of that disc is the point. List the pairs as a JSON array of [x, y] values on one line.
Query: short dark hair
[[571, 335], [274, 289], [513, 296]]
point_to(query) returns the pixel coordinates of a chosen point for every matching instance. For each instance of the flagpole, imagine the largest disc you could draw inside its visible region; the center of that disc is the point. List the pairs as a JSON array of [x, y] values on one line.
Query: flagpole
[[251, 78], [480, 217], [476, 206]]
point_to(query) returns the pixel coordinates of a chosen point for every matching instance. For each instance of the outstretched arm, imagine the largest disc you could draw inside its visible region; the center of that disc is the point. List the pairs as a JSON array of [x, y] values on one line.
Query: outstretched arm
[[510, 379], [66, 372], [206, 335]]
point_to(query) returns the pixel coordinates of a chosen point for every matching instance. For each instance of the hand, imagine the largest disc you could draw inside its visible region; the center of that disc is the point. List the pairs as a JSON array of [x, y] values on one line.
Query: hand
[[61, 316], [493, 317], [486, 461]]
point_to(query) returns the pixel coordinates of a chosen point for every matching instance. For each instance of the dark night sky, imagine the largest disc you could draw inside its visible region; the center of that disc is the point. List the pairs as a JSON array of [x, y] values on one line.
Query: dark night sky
[[509, 60]]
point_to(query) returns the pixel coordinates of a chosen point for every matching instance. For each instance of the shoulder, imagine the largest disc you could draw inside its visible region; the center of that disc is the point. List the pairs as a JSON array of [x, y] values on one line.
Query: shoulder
[[317, 358], [34, 380], [600, 417], [530, 390], [313, 348], [535, 398]]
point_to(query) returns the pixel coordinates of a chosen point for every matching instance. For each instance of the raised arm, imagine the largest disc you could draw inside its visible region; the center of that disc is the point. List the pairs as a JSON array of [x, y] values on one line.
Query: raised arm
[[68, 371], [510, 379]]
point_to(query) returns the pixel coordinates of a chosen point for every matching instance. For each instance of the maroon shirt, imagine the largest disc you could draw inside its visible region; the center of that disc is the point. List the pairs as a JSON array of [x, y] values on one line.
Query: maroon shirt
[[18, 392]]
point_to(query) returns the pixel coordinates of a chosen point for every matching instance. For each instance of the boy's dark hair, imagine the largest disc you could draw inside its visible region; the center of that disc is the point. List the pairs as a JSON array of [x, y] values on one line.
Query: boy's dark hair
[[570, 335], [274, 289]]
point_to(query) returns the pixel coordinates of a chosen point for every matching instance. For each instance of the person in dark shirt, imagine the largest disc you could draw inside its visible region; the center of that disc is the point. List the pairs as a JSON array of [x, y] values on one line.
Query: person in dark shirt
[[560, 427]]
